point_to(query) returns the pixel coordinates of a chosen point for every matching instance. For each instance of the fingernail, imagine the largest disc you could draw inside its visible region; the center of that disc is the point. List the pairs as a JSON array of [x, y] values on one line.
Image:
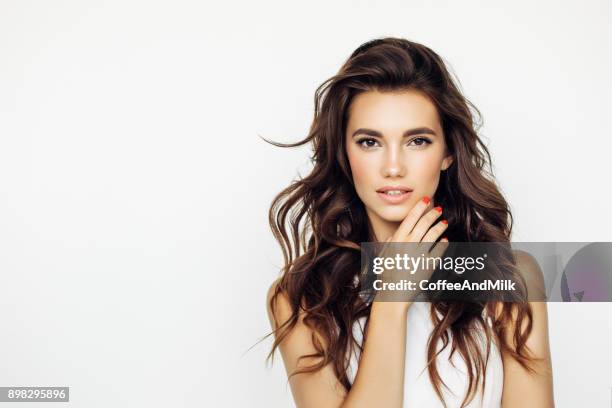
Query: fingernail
[[444, 222], [438, 209], [426, 200], [444, 239]]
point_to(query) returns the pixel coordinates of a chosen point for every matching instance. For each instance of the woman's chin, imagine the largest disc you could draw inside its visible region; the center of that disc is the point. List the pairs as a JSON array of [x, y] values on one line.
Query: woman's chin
[[393, 215]]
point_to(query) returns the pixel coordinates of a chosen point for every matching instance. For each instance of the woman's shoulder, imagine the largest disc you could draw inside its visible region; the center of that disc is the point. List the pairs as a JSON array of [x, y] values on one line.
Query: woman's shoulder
[[528, 266], [529, 269], [277, 304]]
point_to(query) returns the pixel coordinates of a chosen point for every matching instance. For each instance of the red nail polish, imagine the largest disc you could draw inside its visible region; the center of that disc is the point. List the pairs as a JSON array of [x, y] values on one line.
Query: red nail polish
[[444, 222], [426, 200], [438, 209]]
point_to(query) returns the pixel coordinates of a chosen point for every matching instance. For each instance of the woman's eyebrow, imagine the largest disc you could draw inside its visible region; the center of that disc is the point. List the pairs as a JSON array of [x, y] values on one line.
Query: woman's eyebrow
[[409, 132]]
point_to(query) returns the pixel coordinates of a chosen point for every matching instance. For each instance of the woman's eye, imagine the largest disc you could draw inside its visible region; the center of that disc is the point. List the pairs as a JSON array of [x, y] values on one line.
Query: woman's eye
[[420, 141], [367, 143]]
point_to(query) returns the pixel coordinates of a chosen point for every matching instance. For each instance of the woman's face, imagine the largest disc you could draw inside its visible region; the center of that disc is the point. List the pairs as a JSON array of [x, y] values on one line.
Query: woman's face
[[394, 140]]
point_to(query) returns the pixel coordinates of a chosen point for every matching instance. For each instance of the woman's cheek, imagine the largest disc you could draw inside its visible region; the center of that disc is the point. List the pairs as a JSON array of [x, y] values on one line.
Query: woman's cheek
[[433, 177], [427, 166], [361, 168]]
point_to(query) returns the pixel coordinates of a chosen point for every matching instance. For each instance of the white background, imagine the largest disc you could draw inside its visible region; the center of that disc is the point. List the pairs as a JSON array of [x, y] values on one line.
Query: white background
[[135, 253]]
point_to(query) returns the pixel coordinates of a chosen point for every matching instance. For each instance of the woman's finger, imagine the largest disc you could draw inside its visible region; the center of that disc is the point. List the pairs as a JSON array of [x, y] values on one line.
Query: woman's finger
[[436, 231], [425, 224], [403, 231]]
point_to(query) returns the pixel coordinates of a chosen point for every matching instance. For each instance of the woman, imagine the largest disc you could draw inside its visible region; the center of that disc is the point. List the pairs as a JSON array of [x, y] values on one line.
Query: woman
[[397, 158]]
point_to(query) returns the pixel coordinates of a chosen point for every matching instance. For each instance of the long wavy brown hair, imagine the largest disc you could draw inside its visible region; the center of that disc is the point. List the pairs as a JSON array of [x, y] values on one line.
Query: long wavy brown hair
[[319, 220]]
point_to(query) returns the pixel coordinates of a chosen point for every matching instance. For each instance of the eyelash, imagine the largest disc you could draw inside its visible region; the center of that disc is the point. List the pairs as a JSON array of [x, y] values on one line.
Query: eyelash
[[425, 140]]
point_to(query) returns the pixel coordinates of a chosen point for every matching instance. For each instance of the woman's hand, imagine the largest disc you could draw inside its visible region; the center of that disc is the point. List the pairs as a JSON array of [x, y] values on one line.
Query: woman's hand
[[420, 230]]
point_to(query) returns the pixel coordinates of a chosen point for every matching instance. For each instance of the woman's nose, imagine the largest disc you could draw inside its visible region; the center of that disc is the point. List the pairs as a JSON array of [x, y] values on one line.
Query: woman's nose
[[393, 165]]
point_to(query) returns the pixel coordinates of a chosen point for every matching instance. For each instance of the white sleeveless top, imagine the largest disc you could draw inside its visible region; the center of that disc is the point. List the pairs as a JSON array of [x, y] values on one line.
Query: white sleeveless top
[[418, 389]]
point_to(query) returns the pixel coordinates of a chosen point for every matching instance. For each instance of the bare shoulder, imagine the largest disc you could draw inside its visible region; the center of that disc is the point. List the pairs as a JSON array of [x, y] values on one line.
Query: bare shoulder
[[529, 268], [528, 265], [280, 311]]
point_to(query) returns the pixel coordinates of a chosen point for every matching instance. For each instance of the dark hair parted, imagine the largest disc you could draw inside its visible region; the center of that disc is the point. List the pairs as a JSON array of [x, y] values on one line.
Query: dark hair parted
[[319, 220]]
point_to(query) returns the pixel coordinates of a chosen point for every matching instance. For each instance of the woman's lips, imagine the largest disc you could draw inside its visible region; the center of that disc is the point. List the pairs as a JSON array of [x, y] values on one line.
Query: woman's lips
[[395, 198]]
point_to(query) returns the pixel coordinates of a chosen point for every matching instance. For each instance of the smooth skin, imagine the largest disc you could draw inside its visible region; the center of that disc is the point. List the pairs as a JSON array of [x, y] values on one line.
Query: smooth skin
[[384, 148]]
